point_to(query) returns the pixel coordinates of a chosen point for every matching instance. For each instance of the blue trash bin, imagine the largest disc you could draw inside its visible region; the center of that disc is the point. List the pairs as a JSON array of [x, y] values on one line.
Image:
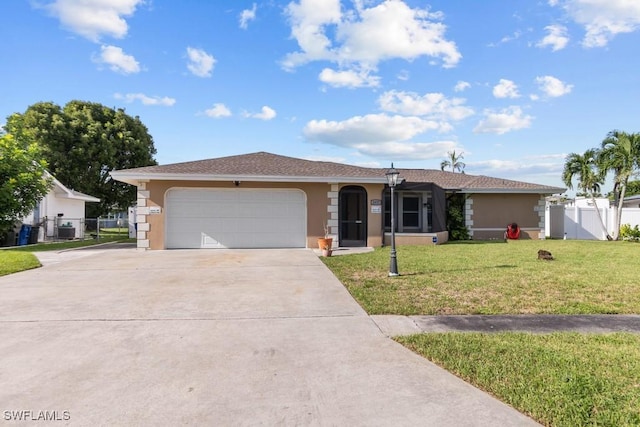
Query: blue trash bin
[[23, 237]]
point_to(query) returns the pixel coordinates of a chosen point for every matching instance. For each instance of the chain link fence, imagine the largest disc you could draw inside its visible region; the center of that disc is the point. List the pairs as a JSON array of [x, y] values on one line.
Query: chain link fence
[[58, 229]]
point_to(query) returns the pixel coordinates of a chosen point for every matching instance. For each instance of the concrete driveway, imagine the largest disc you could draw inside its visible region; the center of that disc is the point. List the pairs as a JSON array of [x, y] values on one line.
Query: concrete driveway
[[219, 337]]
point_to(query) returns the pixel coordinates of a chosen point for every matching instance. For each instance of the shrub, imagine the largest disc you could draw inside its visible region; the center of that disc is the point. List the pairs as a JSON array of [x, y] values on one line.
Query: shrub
[[455, 218], [629, 233]]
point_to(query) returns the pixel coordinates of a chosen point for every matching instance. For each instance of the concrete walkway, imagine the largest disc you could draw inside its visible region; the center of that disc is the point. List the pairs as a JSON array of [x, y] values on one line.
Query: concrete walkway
[[214, 337]]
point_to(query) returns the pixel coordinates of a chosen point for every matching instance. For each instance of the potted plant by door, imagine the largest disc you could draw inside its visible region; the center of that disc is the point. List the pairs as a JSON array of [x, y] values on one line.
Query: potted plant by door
[[326, 250], [326, 240]]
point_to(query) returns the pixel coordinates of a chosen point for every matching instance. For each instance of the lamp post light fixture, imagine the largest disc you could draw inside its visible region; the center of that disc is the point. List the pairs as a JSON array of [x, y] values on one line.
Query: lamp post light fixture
[[392, 178]]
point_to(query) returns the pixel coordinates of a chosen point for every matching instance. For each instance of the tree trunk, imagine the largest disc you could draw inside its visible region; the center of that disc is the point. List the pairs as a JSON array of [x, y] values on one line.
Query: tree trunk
[[619, 212], [604, 227]]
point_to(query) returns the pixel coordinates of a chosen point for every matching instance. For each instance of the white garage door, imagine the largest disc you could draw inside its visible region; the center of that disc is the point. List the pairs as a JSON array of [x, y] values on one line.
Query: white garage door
[[235, 218]]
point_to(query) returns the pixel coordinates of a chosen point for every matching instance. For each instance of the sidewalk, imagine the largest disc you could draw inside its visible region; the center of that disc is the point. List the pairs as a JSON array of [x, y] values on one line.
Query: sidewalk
[[392, 325]]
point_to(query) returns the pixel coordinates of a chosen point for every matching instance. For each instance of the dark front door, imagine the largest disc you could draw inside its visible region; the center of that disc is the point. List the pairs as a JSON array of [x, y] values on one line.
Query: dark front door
[[353, 216]]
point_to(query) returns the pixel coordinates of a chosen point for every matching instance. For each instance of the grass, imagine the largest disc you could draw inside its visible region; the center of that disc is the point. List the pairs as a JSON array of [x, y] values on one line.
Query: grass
[[561, 379], [58, 246], [13, 262], [20, 258], [114, 231], [496, 278]]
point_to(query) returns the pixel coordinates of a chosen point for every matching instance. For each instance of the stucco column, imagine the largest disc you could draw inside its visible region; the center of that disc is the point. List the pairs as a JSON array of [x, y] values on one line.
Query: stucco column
[[468, 215], [142, 211], [540, 208], [332, 213]]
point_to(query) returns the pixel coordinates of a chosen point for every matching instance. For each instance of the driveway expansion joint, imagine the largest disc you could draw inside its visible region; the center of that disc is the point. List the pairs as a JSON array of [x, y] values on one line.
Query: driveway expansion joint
[[534, 323], [182, 319]]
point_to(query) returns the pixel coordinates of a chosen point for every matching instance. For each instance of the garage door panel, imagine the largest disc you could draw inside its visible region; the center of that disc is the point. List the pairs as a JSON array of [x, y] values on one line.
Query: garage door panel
[[235, 218]]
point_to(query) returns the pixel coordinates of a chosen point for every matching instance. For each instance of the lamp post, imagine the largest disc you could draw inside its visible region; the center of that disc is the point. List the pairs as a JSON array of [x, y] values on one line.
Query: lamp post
[[392, 178]]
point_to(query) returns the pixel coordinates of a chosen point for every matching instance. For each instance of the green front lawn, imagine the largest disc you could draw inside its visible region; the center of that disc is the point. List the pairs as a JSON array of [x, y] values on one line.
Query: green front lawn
[[562, 379], [13, 262], [496, 278]]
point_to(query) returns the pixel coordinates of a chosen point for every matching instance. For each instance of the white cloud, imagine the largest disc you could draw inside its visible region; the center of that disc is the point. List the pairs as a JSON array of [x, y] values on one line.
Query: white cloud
[[349, 78], [408, 150], [267, 113], [200, 62], [394, 30], [506, 89], [403, 75], [503, 121], [366, 36], [602, 19], [247, 16], [308, 20], [146, 100], [369, 129], [556, 38], [529, 166], [117, 60], [506, 39], [94, 18], [461, 86], [434, 106], [380, 135], [552, 86], [217, 111]]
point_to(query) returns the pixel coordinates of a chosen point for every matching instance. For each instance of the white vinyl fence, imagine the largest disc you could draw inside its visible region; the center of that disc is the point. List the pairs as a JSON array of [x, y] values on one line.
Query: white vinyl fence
[[582, 223]]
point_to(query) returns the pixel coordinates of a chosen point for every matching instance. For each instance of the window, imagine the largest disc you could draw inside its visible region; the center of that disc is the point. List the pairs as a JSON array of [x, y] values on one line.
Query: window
[[413, 211]]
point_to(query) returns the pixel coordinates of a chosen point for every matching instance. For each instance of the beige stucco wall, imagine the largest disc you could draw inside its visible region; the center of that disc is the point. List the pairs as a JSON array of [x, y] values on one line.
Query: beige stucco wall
[[418, 238], [320, 199], [489, 214]]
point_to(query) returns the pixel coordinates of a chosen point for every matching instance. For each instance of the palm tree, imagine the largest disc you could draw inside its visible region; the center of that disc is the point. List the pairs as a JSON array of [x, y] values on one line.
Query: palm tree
[[620, 154], [453, 162], [590, 176]]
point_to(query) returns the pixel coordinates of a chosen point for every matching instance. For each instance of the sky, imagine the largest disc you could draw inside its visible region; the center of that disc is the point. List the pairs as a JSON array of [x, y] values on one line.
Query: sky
[[513, 85]]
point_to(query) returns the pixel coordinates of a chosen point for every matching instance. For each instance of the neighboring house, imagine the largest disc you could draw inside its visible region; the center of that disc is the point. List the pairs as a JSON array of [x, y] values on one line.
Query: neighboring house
[[61, 207], [587, 202], [631, 201], [263, 200]]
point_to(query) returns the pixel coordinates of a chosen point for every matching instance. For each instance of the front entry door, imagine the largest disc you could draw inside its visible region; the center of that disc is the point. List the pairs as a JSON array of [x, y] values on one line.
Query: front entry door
[[353, 216]]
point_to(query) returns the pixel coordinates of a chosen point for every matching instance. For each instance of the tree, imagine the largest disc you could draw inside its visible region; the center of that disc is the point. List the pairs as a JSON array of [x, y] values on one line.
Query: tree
[[23, 181], [620, 154], [590, 177], [633, 188], [83, 142], [453, 161]]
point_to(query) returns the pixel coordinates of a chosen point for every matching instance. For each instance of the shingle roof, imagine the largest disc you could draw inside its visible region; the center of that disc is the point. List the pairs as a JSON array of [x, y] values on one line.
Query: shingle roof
[[460, 181], [272, 166], [262, 164]]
